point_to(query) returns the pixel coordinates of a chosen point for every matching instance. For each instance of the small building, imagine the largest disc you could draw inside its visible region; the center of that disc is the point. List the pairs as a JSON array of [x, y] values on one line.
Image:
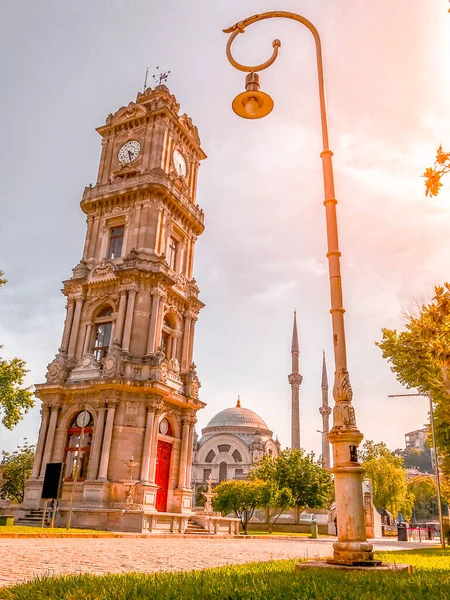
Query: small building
[[416, 440], [233, 441]]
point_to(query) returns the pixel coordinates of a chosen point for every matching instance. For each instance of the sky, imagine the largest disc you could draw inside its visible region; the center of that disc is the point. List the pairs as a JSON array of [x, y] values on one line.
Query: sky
[[65, 66]]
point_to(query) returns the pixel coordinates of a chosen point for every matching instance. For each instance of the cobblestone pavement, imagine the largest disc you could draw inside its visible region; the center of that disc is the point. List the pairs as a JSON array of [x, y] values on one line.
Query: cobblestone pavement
[[23, 559]]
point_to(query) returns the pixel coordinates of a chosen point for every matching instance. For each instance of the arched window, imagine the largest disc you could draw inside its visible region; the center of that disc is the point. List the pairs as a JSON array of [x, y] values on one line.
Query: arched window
[[237, 456], [103, 329], [168, 336], [222, 471], [79, 438], [210, 456]]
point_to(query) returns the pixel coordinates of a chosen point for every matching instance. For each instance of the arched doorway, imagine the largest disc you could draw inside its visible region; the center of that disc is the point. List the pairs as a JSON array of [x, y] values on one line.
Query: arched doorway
[[163, 457], [222, 471]]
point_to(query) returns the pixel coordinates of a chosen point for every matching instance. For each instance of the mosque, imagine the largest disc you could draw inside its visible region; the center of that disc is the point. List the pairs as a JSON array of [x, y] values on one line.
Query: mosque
[[237, 438]]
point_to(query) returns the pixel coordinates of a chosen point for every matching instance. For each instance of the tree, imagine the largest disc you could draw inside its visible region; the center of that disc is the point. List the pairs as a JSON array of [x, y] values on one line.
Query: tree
[[309, 483], [15, 400], [424, 490], [238, 497], [388, 479], [420, 358], [434, 174], [275, 501], [16, 468]]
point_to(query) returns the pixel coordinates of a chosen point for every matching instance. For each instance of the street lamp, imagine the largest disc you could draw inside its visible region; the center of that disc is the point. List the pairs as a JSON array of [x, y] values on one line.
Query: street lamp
[[352, 547], [436, 461]]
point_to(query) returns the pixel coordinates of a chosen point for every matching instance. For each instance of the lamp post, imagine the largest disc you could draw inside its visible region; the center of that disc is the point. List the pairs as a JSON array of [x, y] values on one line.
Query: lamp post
[[352, 547], [436, 461]]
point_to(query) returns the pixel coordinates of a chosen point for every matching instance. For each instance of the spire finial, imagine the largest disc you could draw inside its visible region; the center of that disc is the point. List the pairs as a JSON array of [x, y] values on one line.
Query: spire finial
[[238, 403], [324, 371], [295, 347]]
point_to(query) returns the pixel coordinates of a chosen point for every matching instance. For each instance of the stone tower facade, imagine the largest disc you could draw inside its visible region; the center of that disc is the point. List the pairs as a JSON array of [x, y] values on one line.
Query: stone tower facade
[[295, 380], [123, 383], [325, 411]]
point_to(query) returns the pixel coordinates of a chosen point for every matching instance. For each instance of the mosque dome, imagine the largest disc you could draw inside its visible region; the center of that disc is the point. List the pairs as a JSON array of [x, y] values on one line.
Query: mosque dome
[[236, 417]]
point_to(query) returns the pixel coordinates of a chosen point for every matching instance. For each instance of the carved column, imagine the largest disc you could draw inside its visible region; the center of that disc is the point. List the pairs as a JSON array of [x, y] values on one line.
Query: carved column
[[157, 294], [87, 338], [191, 340], [67, 325], [146, 451], [120, 317], [154, 444], [187, 482], [41, 442], [184, 451], [129, 318], [96, 443], [75, 327], [89, 221], [107, 437], [185, 351], [50, 436]]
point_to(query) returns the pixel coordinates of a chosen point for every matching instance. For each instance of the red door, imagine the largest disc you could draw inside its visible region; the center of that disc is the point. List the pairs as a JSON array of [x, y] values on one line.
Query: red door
[[162, 474]]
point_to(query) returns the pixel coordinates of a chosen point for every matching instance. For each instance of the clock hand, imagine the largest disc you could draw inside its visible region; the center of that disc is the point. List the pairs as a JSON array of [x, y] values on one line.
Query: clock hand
[[130, 154]]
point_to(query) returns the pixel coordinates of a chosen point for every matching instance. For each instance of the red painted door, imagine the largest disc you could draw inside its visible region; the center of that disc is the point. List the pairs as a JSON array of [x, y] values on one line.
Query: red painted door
[[162, 474]]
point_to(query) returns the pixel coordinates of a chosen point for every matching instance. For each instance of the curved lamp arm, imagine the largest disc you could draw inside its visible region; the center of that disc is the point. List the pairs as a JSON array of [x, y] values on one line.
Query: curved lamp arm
[[239, 27]]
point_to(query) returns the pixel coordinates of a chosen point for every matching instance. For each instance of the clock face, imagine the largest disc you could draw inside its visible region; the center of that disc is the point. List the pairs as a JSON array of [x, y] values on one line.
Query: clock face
[[164, 426], [83, 418], [179, 163], [129, 152]]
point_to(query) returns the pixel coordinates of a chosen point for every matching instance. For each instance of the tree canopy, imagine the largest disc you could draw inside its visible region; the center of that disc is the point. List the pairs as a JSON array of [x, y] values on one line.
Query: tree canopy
[[388, 478], [15, 400], [309, 483], [420, 358], [238, 497], [16, 469]]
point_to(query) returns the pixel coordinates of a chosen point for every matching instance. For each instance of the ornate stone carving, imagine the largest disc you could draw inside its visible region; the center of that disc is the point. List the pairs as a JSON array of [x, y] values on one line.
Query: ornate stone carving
[[113, 363], [58, 370], [104, 270], [192, 383], [174, 365], [80, 270], [342, 390], [343, 412], [131, 413], [87, 368]]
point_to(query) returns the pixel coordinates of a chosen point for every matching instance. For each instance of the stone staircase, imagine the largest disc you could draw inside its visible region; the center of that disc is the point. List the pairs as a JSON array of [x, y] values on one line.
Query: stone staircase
[[194, 528], [34, 518]]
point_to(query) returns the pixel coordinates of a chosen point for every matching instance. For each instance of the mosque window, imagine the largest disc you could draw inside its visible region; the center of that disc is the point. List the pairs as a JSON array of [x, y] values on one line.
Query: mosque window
[[237, 456], [103, 329], [206, 474], [239, 473], [79, 438], [269, 452], [116, 241], [210, 456], [224, 447], [222, 471]]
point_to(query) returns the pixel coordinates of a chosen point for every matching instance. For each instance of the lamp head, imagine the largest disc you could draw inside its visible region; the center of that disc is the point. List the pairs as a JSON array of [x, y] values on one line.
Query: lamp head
[[252, 104]]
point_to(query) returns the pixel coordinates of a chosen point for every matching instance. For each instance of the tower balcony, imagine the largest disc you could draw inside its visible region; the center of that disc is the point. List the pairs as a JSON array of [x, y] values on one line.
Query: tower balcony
[[156, 179]]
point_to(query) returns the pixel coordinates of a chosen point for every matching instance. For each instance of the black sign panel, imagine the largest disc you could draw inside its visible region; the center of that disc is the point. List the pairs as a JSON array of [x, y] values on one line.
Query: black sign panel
[[53, 480]]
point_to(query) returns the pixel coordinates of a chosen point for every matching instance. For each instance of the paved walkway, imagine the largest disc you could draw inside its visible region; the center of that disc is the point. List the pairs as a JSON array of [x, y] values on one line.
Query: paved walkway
[[21, 560]]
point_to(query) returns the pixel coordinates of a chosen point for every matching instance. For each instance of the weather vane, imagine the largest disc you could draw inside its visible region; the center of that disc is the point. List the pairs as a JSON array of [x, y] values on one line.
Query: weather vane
[[160, 77]]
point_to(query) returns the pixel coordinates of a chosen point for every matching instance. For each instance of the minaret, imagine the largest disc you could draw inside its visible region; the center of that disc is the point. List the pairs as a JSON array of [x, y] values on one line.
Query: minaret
[[325, 411], [295, 380]]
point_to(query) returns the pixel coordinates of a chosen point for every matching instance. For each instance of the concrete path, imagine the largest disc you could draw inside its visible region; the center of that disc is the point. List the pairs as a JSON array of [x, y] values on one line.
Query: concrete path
[[24, 559]]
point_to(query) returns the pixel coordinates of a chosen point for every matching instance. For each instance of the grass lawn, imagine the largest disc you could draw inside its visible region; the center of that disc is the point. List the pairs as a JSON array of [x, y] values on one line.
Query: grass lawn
[[273, 580], [25, 530]]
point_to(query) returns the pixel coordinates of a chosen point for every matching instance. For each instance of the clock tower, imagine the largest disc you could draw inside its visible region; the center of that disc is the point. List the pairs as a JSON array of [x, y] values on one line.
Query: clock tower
[[121, 396]]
